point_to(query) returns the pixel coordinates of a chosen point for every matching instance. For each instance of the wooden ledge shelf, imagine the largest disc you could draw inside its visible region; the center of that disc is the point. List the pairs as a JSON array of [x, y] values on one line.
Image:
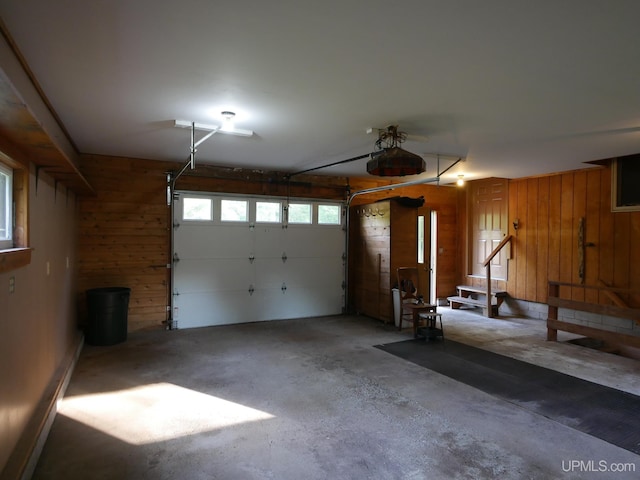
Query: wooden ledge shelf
[[14, 258]]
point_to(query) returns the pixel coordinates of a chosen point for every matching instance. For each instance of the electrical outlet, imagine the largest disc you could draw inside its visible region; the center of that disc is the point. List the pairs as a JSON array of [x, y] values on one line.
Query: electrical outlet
[[12, 284]]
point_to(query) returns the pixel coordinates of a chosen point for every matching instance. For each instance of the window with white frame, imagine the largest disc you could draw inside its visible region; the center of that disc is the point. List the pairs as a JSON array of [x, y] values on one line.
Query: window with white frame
[[194, 208], [299, 213], [6, 207], [234, 210], [216, 209], [268, 212], [329, 215]]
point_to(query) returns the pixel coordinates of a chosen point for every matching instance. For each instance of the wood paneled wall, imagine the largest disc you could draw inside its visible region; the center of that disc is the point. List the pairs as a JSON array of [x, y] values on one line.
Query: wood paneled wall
[[446, 201], [549, 209], [124, 235], [124, 230], [382, 238]]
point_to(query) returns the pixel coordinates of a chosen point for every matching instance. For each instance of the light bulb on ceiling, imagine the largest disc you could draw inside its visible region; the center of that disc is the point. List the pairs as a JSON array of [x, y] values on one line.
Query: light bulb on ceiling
[[460, 181], [227, 123]]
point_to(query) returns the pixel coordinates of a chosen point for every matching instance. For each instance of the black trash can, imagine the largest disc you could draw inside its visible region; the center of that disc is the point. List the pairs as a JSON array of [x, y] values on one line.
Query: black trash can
[[108, 310]]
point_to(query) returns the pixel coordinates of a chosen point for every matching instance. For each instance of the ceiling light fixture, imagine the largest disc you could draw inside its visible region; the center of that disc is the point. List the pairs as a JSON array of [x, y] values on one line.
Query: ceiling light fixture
[[227, 123], [211, 130], [392, 161], [460, 181], [226, 129]]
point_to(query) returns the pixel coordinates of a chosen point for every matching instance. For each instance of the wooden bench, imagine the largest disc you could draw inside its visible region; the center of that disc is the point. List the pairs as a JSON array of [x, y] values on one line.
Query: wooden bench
[[477, 297]]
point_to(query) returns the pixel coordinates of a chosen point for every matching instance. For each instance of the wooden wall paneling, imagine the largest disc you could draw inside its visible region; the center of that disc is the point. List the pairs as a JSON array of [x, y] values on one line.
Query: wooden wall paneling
[[129, 211], [462, 207], [621, 251], [385, 242], [500, 223], [404, 236], [592, 233], [370, 241], [605, 245], [634, 257], [521, 214], [449, 251], [500, 264], [542, 239], [261, 186], [124, 235], [555, 216], [404, 243], [579, 212], [552, 207], [511, 285], [567, 237], [477, 223], [449, 203], [531, 235]]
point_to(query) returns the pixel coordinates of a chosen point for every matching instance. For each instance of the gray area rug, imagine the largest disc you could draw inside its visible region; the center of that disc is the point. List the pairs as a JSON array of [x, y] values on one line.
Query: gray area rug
[[603, 412]]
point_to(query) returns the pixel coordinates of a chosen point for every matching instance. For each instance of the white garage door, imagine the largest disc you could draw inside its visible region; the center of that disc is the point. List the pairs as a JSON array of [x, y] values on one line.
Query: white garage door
[[247, 259]]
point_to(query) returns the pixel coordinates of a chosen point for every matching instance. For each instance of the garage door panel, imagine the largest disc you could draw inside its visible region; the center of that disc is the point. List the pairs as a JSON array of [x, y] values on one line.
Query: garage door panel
[[231, 241], [195, 276], [320, 240], [213, 241], [234, 273], [273, 304], [313, 272], [212, 275], [204, 309], [268, 241], [312, 302], [269, 273]]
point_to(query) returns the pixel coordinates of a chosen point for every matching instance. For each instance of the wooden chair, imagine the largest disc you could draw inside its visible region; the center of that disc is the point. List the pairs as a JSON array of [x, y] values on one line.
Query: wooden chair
[[412, 303], [408, 286]]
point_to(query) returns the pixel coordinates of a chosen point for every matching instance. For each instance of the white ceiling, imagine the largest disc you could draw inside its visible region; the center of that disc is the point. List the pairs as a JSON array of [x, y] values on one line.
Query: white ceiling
[[519, 88]]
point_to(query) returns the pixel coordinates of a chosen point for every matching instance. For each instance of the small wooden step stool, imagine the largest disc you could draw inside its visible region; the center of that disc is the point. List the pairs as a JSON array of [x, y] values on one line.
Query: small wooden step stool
[[477, 297]]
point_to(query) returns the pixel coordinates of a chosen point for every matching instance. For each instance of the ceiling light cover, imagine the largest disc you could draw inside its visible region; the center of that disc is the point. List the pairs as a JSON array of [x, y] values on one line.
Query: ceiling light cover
[[395, 162]]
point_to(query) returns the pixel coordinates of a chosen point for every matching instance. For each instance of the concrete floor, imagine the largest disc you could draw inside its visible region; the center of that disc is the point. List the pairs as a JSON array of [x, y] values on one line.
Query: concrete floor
[[312, 399]]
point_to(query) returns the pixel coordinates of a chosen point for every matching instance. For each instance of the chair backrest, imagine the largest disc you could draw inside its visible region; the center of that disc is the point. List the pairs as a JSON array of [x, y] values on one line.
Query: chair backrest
[[408, 283]]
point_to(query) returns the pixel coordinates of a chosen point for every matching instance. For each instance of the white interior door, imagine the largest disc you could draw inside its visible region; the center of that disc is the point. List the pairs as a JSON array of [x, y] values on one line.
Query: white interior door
[[240, 271]]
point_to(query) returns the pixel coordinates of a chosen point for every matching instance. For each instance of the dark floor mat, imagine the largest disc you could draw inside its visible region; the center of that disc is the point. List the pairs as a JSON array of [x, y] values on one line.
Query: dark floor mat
[[605, 413]]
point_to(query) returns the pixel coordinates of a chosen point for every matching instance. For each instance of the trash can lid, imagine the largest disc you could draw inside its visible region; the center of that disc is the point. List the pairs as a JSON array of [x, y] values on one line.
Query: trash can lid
[[109, 290]]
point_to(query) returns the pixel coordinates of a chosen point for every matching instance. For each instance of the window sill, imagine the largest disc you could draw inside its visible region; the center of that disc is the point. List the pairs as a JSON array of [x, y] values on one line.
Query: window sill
[[13, 258]]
